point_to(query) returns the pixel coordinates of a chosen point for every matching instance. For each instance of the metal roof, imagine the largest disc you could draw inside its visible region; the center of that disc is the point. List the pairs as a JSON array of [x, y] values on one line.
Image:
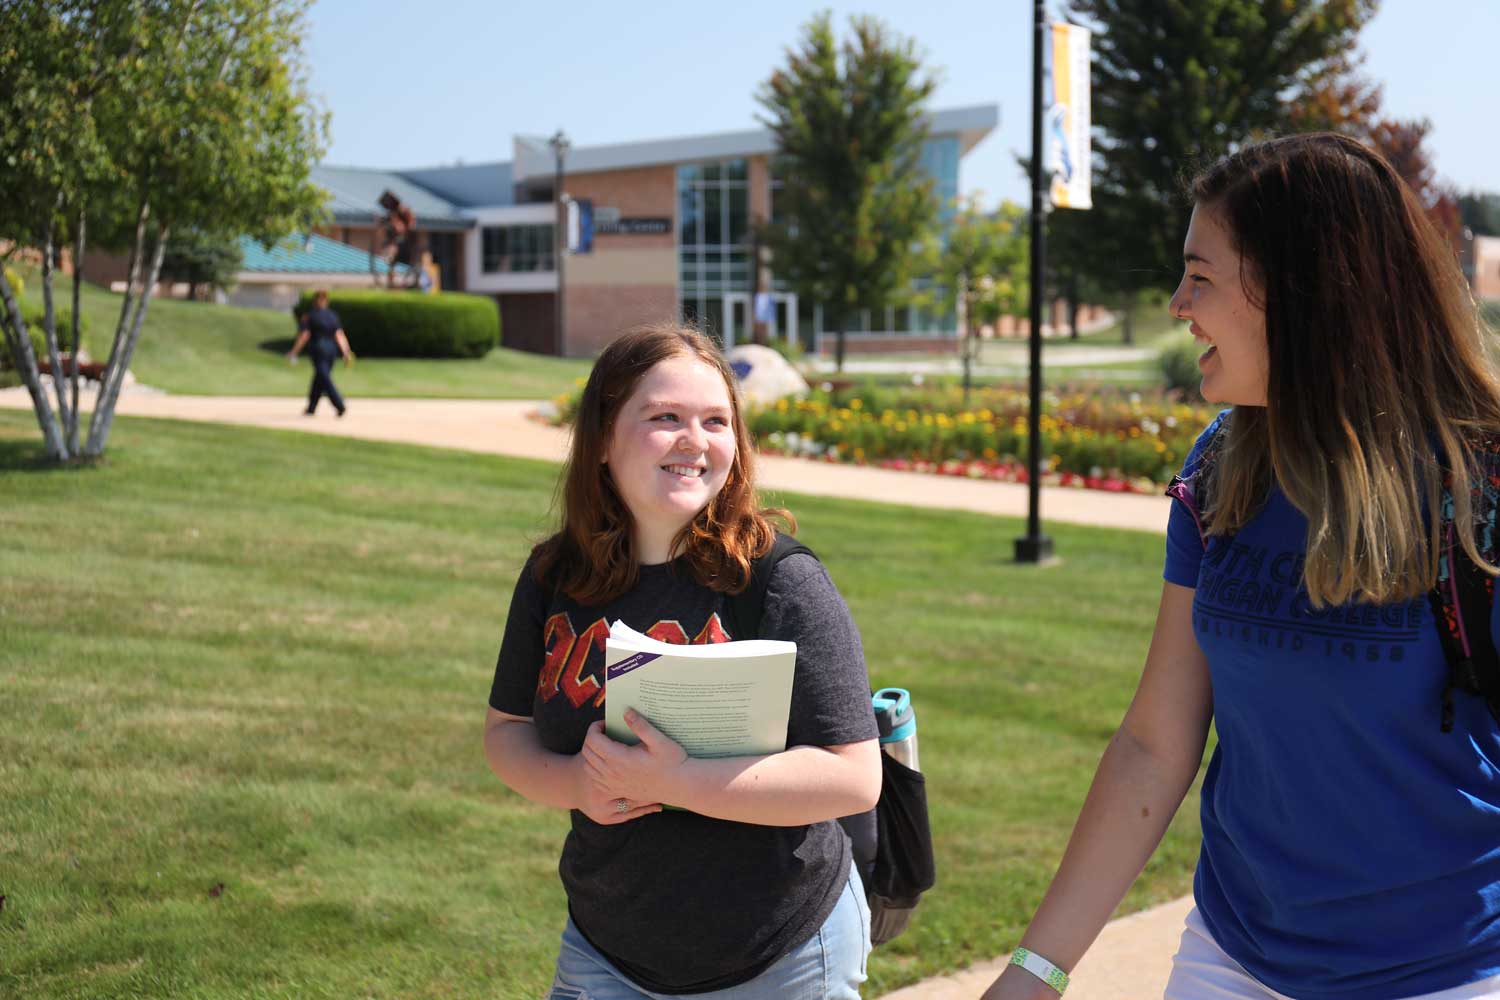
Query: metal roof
[[355, 197], [477, 185], [534, 158], [311, 255], [481, 185]]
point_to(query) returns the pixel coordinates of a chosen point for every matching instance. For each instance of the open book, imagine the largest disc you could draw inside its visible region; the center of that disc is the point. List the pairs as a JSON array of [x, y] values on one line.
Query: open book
[[727, 699]]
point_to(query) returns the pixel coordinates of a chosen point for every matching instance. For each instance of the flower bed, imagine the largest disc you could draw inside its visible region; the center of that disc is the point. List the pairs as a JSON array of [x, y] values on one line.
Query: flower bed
[[1099, 439], [1093, 438]]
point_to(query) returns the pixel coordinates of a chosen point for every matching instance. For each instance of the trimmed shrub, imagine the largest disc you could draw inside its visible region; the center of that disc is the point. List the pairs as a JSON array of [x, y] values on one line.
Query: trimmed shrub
[[33, 314], [1178, 362], [391, 324]]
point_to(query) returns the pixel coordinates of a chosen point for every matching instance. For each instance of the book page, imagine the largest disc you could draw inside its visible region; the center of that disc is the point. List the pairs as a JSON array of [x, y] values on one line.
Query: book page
[[725, 702]]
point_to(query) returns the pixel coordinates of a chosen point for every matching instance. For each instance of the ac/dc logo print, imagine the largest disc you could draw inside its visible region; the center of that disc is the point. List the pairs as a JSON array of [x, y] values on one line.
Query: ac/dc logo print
[[567, 668]]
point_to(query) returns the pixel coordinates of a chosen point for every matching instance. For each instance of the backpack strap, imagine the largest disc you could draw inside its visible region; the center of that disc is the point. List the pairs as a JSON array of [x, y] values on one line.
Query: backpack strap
[[745, 609], [1192, 490], [1464, 594]]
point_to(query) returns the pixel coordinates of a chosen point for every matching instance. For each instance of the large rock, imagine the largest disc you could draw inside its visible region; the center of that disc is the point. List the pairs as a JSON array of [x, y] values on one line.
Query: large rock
[[764, 375]]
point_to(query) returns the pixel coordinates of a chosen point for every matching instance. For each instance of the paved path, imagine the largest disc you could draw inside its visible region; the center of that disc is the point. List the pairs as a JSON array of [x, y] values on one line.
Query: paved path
[[1132, 957], [1130, 960], [503, 428]]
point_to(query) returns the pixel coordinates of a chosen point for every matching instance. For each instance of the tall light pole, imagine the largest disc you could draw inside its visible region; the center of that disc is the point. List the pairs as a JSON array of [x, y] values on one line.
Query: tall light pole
[[1036, 547], [560, 146]]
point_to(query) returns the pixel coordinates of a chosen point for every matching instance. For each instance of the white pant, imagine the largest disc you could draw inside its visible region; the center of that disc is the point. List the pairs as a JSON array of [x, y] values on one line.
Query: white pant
[[1201, 971]]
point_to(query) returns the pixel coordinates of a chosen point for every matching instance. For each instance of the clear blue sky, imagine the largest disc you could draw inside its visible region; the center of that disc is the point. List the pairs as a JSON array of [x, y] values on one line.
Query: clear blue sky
[[447, 80]]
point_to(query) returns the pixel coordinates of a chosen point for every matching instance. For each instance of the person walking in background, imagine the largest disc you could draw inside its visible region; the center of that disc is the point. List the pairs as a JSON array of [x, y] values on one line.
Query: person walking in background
[[753, 893], [323, 335], [1351, 810]]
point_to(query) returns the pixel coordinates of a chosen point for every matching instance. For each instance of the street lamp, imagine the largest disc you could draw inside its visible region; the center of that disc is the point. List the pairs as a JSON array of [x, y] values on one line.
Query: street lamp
[[560, 146]]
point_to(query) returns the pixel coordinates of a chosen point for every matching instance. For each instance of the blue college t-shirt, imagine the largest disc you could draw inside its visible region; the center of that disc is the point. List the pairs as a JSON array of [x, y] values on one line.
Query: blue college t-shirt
[[1350, 847]]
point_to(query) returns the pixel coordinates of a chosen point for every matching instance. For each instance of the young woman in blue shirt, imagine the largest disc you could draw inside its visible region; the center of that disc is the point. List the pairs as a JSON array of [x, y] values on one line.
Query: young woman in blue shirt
[[1351, 847]]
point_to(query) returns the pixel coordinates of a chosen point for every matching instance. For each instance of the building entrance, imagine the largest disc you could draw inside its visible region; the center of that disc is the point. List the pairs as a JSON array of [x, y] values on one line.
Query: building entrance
[[781, 319]]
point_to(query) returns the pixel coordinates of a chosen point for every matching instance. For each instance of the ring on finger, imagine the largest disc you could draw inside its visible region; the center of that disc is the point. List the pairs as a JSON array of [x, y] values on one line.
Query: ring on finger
[[621, 806]]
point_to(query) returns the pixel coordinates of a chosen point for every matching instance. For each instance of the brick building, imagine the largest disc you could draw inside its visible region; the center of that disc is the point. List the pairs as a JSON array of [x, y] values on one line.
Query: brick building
[[671, 225]]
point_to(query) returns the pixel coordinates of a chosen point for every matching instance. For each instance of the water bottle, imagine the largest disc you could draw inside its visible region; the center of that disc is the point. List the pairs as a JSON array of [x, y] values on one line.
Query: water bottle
[[897, 722]]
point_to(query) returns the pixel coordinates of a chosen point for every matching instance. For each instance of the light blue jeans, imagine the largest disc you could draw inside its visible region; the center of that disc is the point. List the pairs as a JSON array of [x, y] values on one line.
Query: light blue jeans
[[830, 965]]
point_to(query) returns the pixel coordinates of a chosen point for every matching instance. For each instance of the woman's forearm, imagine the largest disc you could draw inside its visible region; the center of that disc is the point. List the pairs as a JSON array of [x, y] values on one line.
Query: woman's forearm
[[1129, 806], [798, 786], [519, 760]]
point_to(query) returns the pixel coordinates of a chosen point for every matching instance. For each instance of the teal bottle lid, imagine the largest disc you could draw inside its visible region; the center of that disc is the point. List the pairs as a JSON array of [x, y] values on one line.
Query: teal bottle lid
[[894, 715]]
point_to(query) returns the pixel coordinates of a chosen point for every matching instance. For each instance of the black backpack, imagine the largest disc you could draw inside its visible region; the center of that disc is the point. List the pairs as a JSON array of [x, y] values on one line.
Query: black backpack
[[892, 843], [1463, 595]]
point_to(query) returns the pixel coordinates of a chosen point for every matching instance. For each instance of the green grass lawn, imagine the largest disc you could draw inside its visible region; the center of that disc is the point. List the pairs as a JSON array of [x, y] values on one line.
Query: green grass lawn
[[260, 661], [200, 349], [1063, 360], [1151, 322]]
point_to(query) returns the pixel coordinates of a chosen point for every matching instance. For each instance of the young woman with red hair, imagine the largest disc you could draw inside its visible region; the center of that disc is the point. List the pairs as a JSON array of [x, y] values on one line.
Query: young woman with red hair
[[748, 889]]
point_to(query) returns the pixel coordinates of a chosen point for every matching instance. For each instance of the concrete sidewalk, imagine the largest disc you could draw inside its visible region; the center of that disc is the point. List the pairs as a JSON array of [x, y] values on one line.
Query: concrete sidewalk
[[1130, 960], [1132, 957], [504, 428]]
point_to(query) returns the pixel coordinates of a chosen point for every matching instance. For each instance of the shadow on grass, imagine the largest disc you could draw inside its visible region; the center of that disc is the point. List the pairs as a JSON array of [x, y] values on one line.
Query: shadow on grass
[[279, 345], [19, 455]]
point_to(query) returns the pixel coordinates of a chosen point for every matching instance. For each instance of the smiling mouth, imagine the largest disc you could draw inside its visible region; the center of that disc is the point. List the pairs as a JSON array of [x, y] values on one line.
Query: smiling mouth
[[1199, 336], [686, 471]]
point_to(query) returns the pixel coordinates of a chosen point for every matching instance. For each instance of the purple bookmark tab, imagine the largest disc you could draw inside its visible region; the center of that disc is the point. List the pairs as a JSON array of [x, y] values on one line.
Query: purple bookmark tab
[[628, 664]]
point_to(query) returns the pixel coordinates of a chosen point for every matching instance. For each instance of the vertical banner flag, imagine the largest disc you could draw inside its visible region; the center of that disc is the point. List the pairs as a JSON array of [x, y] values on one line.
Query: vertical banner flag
[[580, 233], [1067, 125]]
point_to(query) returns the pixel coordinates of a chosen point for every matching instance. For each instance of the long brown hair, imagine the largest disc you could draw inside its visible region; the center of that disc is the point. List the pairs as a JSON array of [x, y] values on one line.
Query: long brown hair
[[1376, 358], [592, 558]]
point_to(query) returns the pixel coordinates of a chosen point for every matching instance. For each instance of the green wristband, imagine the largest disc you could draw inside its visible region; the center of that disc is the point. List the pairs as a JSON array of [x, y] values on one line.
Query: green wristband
[[1041, 968]]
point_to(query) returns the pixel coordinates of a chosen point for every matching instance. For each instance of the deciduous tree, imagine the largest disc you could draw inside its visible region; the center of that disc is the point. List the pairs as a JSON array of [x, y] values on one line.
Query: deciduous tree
[[856, 205], [130, 120], [1176, 85]]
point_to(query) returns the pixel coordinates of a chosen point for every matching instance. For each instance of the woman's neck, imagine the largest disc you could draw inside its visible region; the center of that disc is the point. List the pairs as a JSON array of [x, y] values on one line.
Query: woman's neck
[[653, 544]]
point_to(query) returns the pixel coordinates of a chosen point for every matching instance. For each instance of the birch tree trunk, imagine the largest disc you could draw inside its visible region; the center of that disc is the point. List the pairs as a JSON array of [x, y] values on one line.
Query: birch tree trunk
[[72, 423], [127, 310], [20, 347], [114, 375], [49, 328]]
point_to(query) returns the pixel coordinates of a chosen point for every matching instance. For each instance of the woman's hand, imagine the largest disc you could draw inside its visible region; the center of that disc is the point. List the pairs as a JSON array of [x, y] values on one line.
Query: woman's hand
[[641, 773], [603, 804]]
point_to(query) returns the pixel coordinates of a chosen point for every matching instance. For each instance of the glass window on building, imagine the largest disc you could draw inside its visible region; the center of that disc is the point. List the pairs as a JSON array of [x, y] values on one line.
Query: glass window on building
[[940, 160], [713, 318], [515, 249], [713, 232]]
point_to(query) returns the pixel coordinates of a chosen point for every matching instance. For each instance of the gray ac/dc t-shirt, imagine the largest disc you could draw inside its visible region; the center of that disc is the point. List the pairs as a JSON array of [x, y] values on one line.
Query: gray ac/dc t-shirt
[[683, 903]]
